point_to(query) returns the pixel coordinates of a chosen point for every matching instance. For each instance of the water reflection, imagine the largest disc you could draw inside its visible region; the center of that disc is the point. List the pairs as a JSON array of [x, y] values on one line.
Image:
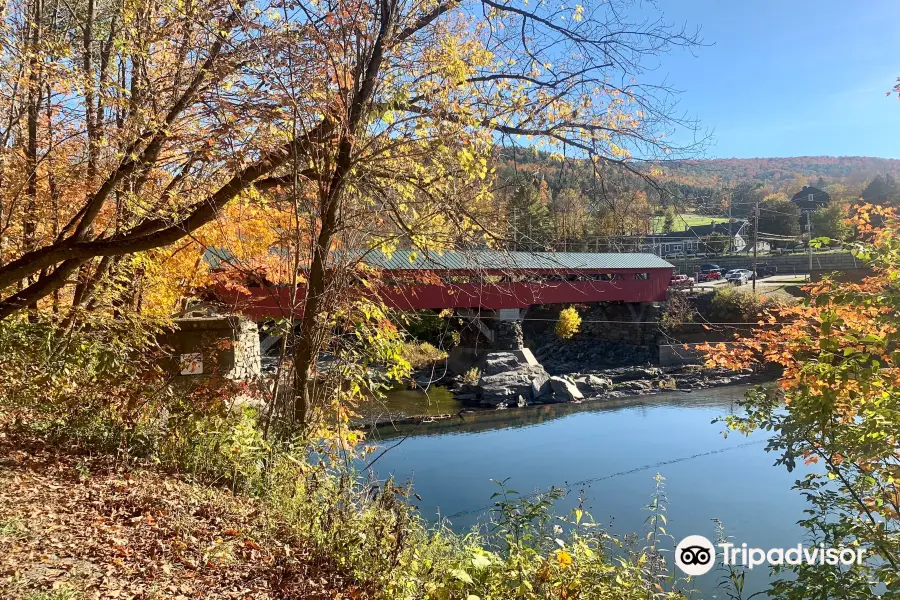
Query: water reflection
[[610, 453], [400, 403], [441, 402]]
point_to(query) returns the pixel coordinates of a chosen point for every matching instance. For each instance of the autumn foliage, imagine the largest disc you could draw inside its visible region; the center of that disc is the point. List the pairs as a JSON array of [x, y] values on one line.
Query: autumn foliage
[[840, 387], [568, 324]]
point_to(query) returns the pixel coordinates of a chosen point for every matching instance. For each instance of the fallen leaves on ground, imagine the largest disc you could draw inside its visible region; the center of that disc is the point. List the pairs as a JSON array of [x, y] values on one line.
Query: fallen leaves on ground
[[91, 527]]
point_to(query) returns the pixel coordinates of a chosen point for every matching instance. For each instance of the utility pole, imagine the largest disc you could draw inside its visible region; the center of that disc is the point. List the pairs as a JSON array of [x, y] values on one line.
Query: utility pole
[[755, 239], [730, 202], [809, 243]]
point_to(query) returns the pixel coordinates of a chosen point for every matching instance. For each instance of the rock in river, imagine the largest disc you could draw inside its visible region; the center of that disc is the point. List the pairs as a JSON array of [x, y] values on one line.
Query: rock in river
[[592, 384], [565, 389], [500, 362], [508, 386]]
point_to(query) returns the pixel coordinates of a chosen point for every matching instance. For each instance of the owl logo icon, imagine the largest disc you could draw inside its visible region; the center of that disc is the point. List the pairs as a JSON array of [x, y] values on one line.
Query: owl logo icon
[[695, 555]]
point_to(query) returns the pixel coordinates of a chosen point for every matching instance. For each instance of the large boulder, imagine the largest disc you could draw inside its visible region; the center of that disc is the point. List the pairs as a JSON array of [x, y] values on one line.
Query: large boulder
[[504, 388], [564, 389], [592, 384], [500, 362], [638, 385], [510, 388], [508, 378], [541, 389]]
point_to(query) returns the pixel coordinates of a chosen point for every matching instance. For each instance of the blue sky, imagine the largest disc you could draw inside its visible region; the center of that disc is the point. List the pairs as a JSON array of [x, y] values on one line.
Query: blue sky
[[790, 77]]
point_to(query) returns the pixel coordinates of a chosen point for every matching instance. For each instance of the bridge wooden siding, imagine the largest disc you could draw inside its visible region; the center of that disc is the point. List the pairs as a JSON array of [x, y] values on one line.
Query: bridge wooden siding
[[503, 280]]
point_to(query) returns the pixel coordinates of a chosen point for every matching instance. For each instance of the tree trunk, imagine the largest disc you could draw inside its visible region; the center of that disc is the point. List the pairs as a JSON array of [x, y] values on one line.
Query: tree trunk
[[308, 344], [92, 150], [312, 330], [29, 227]]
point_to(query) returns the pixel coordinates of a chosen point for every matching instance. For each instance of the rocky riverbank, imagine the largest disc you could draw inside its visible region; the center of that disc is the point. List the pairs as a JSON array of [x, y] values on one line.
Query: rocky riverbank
[[561, 357], [504, 384], [613, 387]]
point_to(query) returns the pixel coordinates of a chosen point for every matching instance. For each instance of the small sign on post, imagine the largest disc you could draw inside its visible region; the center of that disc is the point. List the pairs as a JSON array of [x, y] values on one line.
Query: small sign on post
[[192, 363]]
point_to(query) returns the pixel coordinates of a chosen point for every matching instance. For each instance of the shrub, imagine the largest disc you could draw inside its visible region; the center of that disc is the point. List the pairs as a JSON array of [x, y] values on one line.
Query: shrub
[[679, 311], [568, 324], [101, 386], [424, 325], [733, 305], [421, 354], [71, 376]]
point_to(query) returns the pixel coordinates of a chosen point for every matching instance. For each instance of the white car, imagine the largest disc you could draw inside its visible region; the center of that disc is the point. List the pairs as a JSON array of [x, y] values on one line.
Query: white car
[[738, 276]]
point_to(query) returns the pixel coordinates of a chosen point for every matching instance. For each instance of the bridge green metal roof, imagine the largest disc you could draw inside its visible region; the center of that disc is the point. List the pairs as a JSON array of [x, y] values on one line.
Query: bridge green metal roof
[[401, 260]]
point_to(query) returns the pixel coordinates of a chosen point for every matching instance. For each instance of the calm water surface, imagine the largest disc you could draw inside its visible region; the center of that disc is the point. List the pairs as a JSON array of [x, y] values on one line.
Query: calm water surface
[[612, 453]]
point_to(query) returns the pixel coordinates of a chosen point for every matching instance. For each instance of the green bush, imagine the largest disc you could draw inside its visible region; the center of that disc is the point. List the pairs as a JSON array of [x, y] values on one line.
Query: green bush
[[74, 379], [734, 305], [679, 311], [425, 325]]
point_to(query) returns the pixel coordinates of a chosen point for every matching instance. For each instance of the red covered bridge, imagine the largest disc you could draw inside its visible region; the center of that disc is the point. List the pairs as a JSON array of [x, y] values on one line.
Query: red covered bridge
[[489, 280]]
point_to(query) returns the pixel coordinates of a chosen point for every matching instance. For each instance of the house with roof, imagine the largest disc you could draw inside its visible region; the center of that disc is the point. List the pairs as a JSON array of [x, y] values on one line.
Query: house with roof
[[811, 198], [700, 239]]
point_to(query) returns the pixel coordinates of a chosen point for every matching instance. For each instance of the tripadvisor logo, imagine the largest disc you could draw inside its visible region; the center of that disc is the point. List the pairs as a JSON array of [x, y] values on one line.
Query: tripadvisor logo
[[695, 555]]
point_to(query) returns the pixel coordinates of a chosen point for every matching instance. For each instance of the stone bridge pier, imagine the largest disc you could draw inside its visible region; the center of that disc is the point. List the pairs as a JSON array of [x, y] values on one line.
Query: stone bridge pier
[[490, 332]]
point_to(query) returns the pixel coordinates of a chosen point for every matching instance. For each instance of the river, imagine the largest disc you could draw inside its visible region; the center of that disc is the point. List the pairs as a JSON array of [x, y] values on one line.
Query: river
[[611, 452]]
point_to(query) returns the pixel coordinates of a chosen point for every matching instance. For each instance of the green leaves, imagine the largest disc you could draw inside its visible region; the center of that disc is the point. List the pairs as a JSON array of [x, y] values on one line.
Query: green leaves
[[461, 575], [841, 416]]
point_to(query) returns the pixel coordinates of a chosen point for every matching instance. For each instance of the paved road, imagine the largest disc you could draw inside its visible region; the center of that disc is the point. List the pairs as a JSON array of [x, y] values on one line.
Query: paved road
[[763, 284]]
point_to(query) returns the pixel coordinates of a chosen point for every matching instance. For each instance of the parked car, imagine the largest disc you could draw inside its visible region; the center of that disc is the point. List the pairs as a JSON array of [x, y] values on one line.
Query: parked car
[[709, 272], [763, 270], [681, 281], [766, 270], [738, 276]]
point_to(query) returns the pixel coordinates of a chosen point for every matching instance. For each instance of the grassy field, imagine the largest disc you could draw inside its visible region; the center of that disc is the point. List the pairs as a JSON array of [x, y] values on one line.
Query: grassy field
[[682, 222]]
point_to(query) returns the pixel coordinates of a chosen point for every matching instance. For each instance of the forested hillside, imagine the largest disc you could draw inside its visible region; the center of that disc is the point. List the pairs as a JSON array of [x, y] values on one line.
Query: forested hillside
[[782, 174], [550, 199]]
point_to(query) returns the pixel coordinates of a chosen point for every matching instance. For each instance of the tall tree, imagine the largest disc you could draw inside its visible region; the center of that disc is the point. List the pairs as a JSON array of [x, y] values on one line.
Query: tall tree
[[372, 121], [882, 191], [779, 216], [569, 209], [829, 222], [669, 220], [530, 225]]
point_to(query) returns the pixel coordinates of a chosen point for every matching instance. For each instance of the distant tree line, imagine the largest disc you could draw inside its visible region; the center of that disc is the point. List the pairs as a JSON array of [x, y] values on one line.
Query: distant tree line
[[552, 201]]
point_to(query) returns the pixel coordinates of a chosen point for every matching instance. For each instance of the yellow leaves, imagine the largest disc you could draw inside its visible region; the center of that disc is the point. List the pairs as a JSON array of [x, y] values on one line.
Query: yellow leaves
[[618, 152], [564, 559], [473, 165], [579, 13], [568, 324]]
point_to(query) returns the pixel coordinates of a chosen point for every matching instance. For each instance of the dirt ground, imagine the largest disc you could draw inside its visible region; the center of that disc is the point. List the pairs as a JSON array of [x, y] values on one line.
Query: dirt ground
[[75, 527]]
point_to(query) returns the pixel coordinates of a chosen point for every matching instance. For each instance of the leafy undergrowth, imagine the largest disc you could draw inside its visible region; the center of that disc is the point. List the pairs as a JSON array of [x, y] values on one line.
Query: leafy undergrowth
[[114, 484], [74, 527], [422, 354]]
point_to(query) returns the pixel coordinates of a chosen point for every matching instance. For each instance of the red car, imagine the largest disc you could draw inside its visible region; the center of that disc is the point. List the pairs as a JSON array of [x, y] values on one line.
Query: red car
[[709, 273], [681, 281]]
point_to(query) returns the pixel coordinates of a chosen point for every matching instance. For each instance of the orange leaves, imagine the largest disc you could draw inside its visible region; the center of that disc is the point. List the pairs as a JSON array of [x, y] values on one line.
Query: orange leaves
[[249, 543]]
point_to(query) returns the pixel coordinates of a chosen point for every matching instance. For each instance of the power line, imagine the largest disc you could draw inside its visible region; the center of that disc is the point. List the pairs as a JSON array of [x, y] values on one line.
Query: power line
[[585, 482], [627, 322]]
